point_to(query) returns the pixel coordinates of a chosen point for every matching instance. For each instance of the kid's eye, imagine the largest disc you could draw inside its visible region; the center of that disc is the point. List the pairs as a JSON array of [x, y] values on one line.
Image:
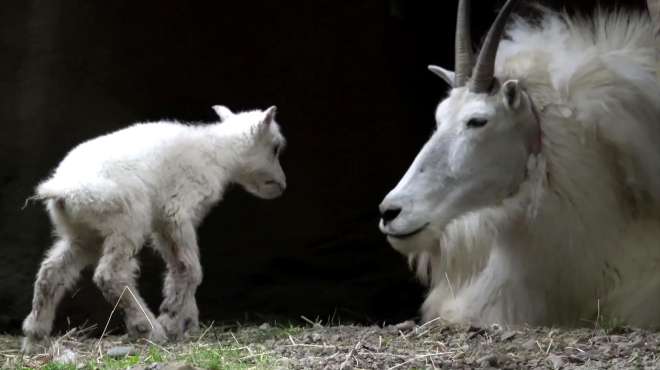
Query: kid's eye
[[276, 150]]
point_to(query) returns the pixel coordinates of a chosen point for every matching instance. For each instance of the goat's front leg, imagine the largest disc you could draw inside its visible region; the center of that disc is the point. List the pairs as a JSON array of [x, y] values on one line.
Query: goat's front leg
[[177, 243]]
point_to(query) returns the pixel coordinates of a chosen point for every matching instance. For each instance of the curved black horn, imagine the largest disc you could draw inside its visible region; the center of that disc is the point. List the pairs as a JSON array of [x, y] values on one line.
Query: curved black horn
[[464, 58], [484, 70]]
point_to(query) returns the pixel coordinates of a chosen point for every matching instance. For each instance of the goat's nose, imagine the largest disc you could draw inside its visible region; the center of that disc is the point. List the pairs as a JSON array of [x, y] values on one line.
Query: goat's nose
[[390, 214]]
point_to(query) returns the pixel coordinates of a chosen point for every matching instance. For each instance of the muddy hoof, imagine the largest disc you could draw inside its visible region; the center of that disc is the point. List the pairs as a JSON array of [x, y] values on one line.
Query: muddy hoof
[[152, 331], [178, 327], [35, 345]]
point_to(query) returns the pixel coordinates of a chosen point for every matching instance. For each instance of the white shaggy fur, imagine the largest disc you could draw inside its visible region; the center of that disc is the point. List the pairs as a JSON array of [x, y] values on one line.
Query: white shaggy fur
[[577, 234], [151, 182]]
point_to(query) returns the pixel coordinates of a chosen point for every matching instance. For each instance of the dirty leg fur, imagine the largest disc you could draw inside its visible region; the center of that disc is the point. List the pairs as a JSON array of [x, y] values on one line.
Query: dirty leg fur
[[57, 274], [115, 277], [178, 246]]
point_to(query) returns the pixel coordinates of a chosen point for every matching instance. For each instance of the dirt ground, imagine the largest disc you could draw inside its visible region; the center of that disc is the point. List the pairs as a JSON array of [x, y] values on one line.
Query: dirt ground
[[405, 346]]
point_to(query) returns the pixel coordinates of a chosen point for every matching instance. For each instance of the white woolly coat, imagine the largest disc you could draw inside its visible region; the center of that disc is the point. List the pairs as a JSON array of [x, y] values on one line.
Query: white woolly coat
[[148, 171], [581, 238]]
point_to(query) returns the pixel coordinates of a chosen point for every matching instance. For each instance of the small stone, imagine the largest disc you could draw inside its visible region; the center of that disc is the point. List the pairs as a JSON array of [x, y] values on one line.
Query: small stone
[[530, 345], [346, 365], [637, 342], [488, 360], [556, 361], [474, 331], [66, 356], [178, 366], [316, 337], [509, 334], [264, 326], [121, 351], [148, 367], [575, 359], [606, 349], [283, 363]]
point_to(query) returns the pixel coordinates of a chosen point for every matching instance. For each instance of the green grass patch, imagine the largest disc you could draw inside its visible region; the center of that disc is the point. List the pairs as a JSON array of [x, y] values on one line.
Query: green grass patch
[[205, 356], [240, 348], [228, 358]]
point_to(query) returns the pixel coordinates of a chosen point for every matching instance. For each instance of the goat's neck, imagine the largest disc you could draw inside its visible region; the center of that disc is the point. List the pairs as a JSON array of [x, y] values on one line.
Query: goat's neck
[[224, 152]]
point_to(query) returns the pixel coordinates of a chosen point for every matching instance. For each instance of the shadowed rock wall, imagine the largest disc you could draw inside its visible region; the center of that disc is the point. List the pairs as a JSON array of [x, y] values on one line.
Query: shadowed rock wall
[[356, 103]]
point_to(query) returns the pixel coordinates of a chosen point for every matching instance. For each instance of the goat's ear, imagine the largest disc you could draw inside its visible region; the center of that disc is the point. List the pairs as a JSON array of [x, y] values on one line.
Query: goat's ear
[[222, 112], [269, 115], [445, 74], [511, 94]]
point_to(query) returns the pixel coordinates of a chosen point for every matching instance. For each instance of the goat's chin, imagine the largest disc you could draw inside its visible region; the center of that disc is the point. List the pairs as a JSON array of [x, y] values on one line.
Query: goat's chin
[[420, 242]]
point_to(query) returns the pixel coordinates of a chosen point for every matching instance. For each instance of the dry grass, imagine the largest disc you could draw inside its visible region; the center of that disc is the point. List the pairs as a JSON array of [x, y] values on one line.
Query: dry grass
[[314, 346]]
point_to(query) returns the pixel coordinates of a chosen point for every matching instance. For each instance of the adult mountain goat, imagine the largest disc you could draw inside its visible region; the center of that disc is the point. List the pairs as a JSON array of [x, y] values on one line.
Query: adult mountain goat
[[537, 198], [149, 182]]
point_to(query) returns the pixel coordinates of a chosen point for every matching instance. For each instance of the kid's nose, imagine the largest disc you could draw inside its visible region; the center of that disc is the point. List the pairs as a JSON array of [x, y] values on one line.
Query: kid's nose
[[281, 184]]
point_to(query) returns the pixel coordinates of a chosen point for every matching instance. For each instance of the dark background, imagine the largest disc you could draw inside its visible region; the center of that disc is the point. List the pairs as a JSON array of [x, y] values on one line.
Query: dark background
[[355, 102]]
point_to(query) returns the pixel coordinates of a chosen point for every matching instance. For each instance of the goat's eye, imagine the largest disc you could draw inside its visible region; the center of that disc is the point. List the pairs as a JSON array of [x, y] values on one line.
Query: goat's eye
[[276, 150], [476, 122]]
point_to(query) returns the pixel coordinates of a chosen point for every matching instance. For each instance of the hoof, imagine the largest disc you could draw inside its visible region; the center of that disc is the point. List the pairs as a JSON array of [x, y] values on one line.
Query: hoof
[[144, 329], [36, 339], [33, 346], [178, 327]]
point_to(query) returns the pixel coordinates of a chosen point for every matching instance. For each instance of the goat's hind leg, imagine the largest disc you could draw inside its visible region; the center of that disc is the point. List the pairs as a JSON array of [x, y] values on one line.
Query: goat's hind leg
[[177, 243], [57, 274], [115, 277]]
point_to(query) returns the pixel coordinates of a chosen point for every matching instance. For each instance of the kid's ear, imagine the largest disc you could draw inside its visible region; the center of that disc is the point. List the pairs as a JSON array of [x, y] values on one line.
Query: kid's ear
[[269, 115], [263, 127], [222, 112]]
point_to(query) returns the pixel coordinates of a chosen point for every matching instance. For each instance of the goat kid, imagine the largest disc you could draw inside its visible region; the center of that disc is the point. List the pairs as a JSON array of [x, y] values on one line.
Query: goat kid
[[150, 183]]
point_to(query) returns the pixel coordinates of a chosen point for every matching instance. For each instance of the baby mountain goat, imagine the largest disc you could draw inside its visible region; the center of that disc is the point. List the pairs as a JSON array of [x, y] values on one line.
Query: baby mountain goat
[[151, 182], [537, 199]]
